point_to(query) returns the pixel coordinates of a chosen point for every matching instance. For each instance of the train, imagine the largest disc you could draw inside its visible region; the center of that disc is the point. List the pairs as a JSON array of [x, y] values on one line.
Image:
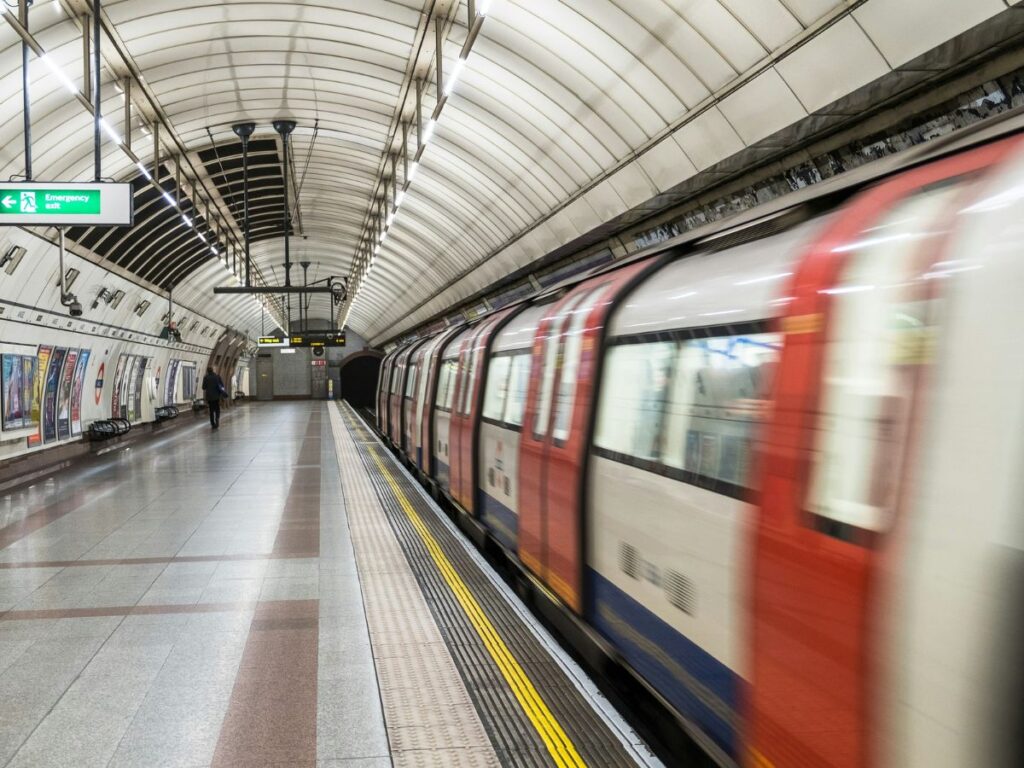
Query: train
[[774, 464]]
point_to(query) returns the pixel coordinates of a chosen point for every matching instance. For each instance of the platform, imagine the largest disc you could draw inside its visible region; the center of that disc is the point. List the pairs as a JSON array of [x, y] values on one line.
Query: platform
[[278, 592]]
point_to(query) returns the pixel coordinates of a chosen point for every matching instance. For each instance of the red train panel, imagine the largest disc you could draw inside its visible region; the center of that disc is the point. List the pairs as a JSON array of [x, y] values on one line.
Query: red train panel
[[556, 431], [816, 580], [466, 413]]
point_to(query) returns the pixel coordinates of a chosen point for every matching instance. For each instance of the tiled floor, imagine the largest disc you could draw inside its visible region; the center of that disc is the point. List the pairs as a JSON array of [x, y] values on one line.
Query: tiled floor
[[233, 598], [189, 602]]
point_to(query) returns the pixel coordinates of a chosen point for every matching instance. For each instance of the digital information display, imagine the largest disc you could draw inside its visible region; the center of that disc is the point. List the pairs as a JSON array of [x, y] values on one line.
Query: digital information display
[[59, 204], [318, 339]]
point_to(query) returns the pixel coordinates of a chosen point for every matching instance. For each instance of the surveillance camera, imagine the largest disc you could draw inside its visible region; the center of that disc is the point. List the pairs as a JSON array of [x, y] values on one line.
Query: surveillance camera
[[75, 309]]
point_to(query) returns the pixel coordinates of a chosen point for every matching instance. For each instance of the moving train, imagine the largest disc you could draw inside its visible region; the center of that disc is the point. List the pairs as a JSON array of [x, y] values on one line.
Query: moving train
[[775, 464]]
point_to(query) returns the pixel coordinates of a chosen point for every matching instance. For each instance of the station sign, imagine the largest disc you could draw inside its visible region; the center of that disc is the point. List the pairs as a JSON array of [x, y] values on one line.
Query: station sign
[[318, 339], [58, 204], [273, 341]]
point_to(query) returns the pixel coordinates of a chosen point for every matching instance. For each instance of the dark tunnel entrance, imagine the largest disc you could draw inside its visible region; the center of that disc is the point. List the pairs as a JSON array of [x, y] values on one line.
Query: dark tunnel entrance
[[358, 378]]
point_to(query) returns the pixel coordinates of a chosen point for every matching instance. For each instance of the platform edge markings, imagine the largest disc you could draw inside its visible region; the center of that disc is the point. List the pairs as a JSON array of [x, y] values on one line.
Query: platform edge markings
[[626, 735], [514, 739], [414, 665], [564, 700]]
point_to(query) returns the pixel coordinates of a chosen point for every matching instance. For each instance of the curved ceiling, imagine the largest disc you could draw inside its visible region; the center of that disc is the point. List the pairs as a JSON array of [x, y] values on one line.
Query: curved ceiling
[[565, 113]]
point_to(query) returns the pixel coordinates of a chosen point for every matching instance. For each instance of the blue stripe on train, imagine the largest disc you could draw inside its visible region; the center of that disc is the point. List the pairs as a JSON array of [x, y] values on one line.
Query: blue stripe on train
[[698, 685], [500, 520]]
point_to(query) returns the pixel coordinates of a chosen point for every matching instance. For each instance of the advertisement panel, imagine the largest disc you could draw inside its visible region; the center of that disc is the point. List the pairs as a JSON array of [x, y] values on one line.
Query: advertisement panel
[[42, 365], [67, 380], [76, 396], [128, 399], [172, 380], [139, 386], [115, 401], [50, 392], [28, 391], [11, 396]]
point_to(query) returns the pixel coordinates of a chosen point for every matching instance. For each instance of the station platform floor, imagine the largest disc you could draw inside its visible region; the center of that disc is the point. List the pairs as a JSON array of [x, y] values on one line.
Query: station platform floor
[[278, 592]]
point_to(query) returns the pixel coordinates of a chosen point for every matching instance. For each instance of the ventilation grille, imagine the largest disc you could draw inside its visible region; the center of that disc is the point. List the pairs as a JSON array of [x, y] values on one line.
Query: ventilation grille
[[679, 591], [223, 163], [629, 560]]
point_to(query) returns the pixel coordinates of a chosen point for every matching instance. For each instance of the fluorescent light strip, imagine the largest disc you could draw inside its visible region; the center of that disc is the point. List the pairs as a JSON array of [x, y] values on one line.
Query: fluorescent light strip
[[59, 74], [453, 78], [107, 129], [428, 132]]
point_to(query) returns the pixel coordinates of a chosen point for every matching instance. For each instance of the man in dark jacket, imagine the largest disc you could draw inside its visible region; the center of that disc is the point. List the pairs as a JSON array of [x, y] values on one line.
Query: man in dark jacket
[[213, 391]]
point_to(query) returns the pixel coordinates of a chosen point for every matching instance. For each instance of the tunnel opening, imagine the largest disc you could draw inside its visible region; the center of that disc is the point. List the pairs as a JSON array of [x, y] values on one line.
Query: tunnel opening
[[358, 378]]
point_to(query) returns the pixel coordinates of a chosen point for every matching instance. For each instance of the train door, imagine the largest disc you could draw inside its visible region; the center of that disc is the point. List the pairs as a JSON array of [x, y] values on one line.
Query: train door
[[556, 432], [413, 372], [384, 391], [426, 394], [445, 399], [861, 329], [398, 377], [466, 415]]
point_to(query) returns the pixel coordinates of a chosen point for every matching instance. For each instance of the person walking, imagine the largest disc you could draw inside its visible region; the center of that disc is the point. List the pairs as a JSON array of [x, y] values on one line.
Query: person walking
[[213, 391]]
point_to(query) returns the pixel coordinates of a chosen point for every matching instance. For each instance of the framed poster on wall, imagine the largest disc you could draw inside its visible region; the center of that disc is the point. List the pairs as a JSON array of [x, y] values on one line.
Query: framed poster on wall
[[67, 380], [115, 400], [140, 385], [39, 378], [76, 396], [12, 395], [129, 387], [50, 392]]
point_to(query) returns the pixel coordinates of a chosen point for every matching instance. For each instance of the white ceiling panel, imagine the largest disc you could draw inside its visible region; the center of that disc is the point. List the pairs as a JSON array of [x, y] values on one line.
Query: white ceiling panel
[[904, 29], [763, 107], [708, 139], [819, 77]]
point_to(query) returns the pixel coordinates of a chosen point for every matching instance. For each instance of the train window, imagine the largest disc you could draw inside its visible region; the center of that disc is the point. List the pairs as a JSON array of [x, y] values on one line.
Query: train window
[[633, 398], [497, 387], [719, 395], [518, 383], [410, 382], [446, 384], [396, 378], [573, 351], [469, 382], [882, 330], [552, 342]]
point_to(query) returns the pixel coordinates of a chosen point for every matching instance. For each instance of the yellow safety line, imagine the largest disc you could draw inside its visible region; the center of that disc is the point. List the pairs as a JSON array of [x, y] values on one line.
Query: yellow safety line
[[559, 745]]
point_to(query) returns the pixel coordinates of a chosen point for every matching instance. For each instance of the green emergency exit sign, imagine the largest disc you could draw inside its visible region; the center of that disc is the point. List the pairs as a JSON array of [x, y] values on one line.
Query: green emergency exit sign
[[66, 203], [52, 202]]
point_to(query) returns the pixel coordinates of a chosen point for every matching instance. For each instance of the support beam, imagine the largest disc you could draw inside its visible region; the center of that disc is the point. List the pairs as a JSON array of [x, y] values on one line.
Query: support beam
[[97, 104]]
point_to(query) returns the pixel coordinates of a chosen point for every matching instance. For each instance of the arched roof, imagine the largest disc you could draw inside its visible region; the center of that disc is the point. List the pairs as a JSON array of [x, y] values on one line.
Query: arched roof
[[565, 114]]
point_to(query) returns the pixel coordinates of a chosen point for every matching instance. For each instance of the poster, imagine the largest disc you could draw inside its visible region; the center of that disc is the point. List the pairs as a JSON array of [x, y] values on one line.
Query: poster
[[42, 364], [50, 394], [140, 378], [11, 397], [28, 391], [67, 380], [115, 401], [131, 379], [172, 380], [76, 397]]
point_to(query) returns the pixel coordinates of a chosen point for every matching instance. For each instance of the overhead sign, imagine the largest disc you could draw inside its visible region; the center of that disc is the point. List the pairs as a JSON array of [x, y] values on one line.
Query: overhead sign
[[57, 204], [319, 339], [273, 341]]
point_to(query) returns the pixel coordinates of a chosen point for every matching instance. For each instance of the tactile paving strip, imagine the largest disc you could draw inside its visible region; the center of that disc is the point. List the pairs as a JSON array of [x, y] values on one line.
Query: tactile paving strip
[[514, 736], [430, 717]]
